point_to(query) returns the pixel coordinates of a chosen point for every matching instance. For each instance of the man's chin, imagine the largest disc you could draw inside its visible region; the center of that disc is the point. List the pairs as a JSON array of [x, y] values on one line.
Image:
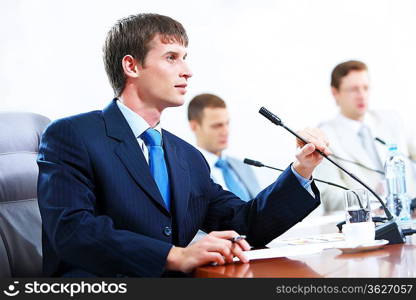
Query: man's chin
[[221, 148], [174, 103], [362, 113]]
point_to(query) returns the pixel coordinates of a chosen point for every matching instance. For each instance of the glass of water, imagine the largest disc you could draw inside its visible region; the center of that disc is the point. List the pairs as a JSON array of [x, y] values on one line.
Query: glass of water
[[357, 206]]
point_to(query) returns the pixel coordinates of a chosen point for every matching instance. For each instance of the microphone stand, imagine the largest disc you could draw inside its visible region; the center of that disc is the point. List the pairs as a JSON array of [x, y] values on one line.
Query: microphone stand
[[389, 230], [357, 163], [256, 163], [259, 164]]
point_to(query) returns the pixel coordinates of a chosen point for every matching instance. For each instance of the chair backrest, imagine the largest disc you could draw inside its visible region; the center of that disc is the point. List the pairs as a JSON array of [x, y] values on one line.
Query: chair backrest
[[20, 221]]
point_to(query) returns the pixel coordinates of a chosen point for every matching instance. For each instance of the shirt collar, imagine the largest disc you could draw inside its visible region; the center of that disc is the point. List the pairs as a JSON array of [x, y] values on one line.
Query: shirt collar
[[210, 157], [354, 125], [137, 124]]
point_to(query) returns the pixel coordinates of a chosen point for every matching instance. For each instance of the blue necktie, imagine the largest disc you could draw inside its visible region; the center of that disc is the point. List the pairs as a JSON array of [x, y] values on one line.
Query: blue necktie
[[153, 140], [231, 180]]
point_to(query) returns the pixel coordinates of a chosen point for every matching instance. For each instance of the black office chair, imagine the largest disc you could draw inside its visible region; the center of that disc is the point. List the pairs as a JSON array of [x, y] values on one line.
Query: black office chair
[[20, 221]]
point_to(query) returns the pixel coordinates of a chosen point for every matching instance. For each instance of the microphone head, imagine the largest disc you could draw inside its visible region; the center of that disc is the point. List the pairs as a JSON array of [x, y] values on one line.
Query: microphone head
[[272, 117], [253, 162], [380, 141]]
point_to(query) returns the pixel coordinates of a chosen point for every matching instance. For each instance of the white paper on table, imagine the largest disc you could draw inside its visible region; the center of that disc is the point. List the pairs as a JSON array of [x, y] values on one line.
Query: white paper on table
[[289, 251]]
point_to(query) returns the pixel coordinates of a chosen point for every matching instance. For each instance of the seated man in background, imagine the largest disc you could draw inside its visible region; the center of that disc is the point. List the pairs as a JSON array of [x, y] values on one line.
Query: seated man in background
[[209, 120], [352, 134]]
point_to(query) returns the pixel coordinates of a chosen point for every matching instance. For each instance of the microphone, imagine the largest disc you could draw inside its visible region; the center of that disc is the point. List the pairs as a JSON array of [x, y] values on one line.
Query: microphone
[[339, 225], [389, 230], [380, 141], [276, 120]]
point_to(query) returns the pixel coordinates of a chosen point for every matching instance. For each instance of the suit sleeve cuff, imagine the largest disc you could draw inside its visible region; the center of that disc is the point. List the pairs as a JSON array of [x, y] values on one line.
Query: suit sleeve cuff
[[305, 183]]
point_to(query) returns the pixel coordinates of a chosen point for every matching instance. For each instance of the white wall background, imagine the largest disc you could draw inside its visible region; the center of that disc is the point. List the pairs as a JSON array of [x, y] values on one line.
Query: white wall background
[[277, 54]]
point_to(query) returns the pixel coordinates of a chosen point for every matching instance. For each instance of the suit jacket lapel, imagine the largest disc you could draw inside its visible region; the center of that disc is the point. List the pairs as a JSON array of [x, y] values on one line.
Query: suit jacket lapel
[[178, 177], [130, 154]]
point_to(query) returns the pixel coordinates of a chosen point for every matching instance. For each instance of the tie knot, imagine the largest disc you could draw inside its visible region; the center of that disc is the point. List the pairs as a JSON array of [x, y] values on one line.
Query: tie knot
[[364, 130], [152, 137], [221, 163]]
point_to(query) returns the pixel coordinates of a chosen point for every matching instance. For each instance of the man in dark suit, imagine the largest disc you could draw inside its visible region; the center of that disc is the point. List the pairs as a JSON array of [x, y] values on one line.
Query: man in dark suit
[[119, 196]]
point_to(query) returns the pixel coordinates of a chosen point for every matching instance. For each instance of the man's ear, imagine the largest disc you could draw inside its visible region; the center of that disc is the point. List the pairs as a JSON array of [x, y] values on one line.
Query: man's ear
[[131, 66], [335, 94], [193, 124]]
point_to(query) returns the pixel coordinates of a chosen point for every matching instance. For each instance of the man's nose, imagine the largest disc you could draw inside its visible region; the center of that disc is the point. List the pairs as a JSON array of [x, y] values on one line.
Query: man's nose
[[186, 72]]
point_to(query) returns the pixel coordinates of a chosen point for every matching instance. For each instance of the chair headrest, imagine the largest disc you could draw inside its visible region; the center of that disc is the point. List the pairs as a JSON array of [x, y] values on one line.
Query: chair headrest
[[21, 131], [19, 145]]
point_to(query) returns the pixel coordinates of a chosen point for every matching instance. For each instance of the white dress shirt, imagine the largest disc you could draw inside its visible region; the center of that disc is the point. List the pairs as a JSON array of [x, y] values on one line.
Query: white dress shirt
[[138, 125], [216, 173]]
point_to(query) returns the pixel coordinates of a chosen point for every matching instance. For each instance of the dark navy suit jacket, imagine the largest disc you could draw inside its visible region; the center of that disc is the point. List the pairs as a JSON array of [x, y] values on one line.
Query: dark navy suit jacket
[[102, 212]]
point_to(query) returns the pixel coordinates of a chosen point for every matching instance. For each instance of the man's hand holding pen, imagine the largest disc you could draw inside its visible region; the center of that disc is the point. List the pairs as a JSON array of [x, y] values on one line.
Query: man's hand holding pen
[[217, 247]]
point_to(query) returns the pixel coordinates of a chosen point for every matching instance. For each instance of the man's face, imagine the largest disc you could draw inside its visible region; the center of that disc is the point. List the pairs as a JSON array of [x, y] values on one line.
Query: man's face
[[352, 95], [163, 76], [212, 132]]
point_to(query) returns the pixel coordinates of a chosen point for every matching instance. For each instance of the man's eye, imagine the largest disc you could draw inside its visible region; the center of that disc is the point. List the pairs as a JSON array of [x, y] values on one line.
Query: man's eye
[[171, 57]]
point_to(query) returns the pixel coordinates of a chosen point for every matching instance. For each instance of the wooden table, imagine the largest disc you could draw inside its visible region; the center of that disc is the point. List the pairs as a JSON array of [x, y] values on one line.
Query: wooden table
[[390, 261]]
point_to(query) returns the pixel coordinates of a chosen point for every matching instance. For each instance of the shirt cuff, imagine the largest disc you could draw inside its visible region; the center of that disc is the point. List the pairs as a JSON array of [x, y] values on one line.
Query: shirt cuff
[[305, 183]]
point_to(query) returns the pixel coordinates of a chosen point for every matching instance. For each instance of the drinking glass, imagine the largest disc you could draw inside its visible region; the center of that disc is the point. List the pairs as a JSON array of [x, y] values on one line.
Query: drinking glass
[[359, 228], [357, 206]]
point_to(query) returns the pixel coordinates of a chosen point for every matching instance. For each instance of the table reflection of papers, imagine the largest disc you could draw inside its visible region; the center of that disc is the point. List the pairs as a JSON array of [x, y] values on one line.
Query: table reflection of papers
[[327, 239]]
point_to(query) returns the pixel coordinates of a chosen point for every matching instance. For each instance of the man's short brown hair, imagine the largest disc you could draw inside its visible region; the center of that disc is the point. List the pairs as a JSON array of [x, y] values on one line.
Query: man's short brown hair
[[131, 36], [198, 103], [343, 69]]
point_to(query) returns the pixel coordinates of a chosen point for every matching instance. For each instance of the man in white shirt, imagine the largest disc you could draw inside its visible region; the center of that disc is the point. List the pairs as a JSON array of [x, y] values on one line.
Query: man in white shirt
[[209, 120], [353, 134]]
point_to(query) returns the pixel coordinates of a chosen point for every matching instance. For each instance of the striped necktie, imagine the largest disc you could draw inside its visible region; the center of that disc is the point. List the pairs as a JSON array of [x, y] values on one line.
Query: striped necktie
[[153, 140], [234, 185]]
